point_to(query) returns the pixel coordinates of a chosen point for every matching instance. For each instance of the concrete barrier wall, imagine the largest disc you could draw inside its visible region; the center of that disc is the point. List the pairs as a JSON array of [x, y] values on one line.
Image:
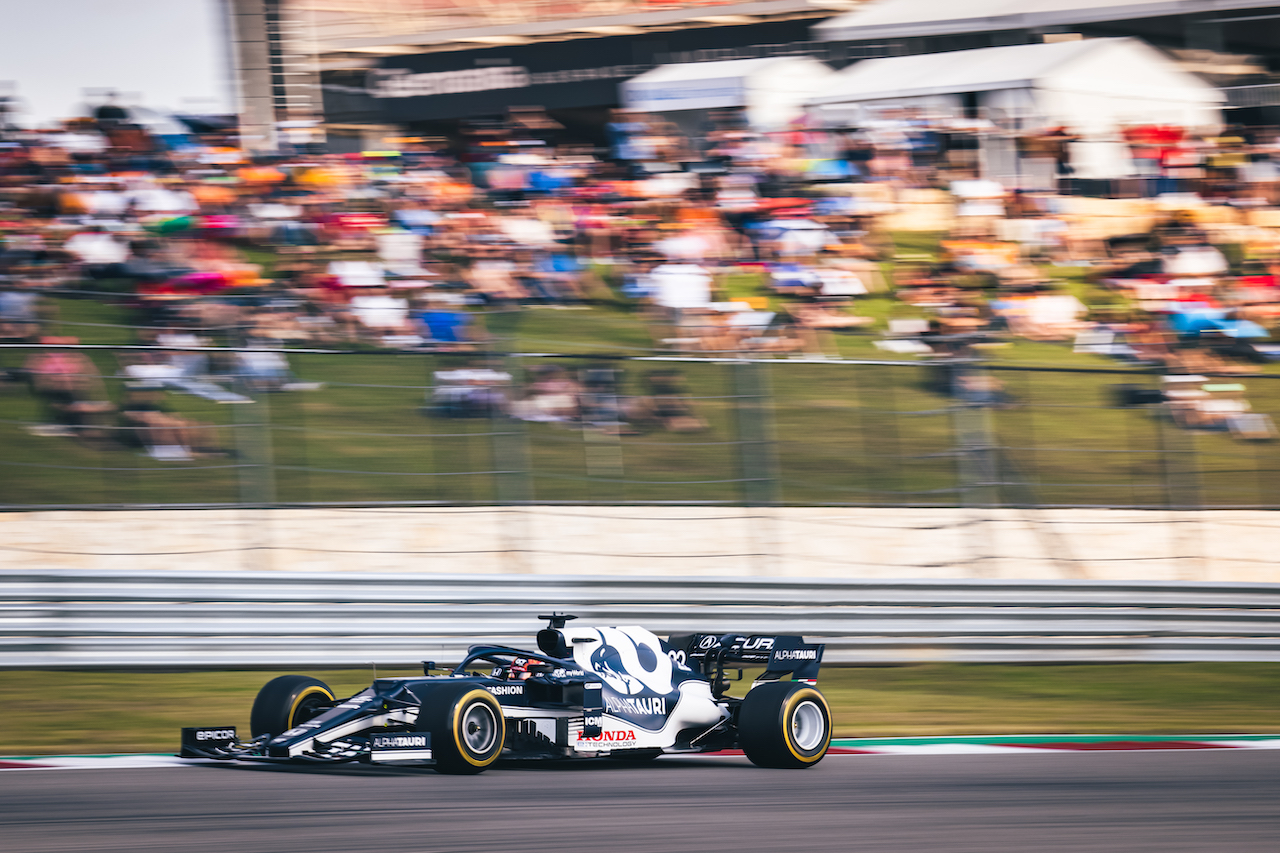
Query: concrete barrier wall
[[1075, 544]]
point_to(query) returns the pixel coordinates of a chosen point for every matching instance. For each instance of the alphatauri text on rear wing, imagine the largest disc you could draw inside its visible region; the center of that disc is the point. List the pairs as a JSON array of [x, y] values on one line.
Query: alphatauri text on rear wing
[[781, 654]]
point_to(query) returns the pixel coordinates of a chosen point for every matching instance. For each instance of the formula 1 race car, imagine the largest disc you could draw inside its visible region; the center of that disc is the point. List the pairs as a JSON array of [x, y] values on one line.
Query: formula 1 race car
[[616, 692]]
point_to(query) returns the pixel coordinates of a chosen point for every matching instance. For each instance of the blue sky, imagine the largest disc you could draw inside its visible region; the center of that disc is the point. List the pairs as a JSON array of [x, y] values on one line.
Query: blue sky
[[169, 52]]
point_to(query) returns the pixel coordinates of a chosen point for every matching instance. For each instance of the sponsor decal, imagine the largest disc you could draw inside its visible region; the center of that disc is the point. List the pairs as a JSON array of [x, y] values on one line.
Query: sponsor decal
[[216, 734], [707, 642], [631, 662], [593, 722], [606, 662], [301, 729], [620, 736], [566, 673], [399, 741], [758, 643], [506, 689], [359, 700], [401, 83], [652, 706], [676, 93], [796, 654]]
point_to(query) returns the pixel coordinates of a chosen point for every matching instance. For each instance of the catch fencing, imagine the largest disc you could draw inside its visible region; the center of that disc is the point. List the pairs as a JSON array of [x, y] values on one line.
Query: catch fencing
[[377, 429], [193, 620]]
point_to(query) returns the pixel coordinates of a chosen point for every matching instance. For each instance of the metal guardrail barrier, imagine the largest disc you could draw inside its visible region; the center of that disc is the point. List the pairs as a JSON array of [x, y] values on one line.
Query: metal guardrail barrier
[[59, 619]]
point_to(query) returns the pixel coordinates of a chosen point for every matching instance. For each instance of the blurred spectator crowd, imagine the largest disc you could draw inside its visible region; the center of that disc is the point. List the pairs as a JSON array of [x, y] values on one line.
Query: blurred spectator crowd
[[739, 243]]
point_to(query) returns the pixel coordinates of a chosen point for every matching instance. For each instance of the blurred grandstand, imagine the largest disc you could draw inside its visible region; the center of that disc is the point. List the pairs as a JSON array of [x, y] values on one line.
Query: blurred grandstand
[[308, 42]]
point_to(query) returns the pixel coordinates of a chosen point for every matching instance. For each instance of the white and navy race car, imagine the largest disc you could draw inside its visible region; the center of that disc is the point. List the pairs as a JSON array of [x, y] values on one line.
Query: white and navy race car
[[585, 692]]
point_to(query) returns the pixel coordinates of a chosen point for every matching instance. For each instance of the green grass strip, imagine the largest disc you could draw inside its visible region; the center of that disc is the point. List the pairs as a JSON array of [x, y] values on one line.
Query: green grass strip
[[98, 712]]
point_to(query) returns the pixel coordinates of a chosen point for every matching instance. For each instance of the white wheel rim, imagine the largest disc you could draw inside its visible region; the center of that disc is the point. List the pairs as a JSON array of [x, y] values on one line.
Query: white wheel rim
[[808, 726], [479, 728]]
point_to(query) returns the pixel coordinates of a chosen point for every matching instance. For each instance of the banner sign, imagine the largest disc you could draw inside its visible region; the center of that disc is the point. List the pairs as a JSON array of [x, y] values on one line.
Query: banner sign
[[555, 75]]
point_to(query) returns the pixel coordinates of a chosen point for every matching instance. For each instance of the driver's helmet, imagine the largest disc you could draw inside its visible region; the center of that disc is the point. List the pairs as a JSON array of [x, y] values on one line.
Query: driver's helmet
[[522, 668], [519, 669]]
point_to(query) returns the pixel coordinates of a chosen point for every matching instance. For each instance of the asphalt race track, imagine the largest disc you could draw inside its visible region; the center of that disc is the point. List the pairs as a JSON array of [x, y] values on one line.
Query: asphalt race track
[[1224, 801]]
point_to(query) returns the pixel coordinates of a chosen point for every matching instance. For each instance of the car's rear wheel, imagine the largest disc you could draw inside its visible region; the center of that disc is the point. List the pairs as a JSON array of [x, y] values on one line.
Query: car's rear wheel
[[784, 724], [286, 701], [466, 726]]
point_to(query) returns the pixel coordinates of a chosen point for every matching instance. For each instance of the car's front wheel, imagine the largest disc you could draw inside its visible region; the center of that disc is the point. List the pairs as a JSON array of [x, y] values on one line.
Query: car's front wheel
[[784, 724], [286, 701], [466, 726]]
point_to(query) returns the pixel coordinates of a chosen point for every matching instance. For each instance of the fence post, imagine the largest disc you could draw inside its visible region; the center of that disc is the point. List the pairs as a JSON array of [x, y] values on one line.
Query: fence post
[[975, 461], [511, 463], [757, 457], [757, 448], [253, 446], [257, 476], [1182, 493]]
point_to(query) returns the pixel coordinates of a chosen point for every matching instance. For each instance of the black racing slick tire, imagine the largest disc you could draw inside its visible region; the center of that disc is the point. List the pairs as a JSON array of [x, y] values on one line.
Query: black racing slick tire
[[286, 701], [784, 724], [466, 725]]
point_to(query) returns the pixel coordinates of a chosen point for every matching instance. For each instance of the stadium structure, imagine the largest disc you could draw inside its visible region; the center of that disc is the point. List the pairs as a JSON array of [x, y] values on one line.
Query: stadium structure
[[356, 72]]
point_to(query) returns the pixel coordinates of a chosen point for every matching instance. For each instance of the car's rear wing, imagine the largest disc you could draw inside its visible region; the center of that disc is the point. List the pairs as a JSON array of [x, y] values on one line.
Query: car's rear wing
[[780, 653]]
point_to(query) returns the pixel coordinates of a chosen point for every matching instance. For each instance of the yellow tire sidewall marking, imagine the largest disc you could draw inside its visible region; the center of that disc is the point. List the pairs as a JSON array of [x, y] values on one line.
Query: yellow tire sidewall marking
[[456, 722], [311, 690], [792, 701]]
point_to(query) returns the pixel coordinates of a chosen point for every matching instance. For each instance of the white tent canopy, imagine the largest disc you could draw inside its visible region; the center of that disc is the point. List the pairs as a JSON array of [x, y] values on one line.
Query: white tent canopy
[[907, 18], [1092, 86], [772, 89]]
